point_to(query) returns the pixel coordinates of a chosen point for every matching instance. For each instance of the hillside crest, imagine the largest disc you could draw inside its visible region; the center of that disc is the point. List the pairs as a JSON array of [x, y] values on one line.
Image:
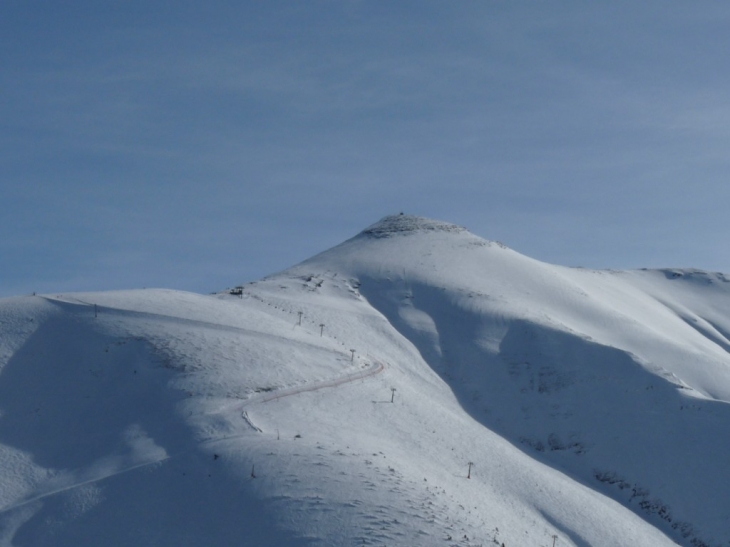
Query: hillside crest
[[402, 224]]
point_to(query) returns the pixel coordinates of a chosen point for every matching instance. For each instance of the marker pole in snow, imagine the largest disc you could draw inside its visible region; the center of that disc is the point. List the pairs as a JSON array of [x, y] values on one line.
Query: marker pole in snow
[[300, 317], [321, 329], [555, 538], [468, 476], [392, 394], [353, 355]]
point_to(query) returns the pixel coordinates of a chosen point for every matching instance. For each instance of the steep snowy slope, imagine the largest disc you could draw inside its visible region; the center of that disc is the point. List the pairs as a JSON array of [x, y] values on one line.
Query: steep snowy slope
[[591, 405], [622, 379]]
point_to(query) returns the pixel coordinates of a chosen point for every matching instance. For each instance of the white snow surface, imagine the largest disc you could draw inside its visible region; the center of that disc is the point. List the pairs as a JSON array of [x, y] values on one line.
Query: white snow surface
[[591, 405]]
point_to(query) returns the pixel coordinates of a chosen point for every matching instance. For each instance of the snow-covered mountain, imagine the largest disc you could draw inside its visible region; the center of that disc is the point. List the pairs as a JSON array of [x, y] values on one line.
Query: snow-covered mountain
[[415, 385]]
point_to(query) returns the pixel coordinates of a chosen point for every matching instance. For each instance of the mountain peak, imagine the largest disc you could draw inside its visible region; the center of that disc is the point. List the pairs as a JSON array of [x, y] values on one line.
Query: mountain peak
[[402, 224]]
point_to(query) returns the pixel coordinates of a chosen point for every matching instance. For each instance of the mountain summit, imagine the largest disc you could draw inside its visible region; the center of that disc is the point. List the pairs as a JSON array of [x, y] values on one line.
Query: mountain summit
[[414, 385], [402, 224]]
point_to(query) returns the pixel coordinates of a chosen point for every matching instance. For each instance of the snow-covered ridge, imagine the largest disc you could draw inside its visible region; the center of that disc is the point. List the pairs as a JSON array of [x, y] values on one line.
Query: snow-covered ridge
[[432, 390], [402, 224]]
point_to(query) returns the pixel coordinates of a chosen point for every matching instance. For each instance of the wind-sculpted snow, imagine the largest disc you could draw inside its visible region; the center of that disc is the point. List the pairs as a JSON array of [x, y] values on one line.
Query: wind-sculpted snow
[[416, 385]]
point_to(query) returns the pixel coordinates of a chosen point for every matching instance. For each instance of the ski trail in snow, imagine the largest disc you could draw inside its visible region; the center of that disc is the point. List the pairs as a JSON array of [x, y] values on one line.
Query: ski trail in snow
[[58, 490], [248, 420], [375, 368]]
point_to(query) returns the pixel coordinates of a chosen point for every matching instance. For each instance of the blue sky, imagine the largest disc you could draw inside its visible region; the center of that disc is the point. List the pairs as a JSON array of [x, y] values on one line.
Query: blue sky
[[199, 145]]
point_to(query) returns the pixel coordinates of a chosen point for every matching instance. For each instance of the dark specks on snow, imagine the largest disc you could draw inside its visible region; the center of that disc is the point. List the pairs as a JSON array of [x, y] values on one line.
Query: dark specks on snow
[[404, 224]]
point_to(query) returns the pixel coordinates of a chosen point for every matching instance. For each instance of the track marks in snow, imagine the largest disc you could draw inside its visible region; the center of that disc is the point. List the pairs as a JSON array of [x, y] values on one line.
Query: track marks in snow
[[371, 370], [389, 506]]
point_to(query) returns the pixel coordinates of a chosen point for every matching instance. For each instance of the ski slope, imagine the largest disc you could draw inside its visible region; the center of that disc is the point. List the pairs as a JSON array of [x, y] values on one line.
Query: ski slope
[[592, 405]]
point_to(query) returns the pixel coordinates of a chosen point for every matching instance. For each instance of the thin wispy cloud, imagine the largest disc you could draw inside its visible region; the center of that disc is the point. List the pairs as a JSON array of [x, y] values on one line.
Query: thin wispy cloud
[[281, 129]]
